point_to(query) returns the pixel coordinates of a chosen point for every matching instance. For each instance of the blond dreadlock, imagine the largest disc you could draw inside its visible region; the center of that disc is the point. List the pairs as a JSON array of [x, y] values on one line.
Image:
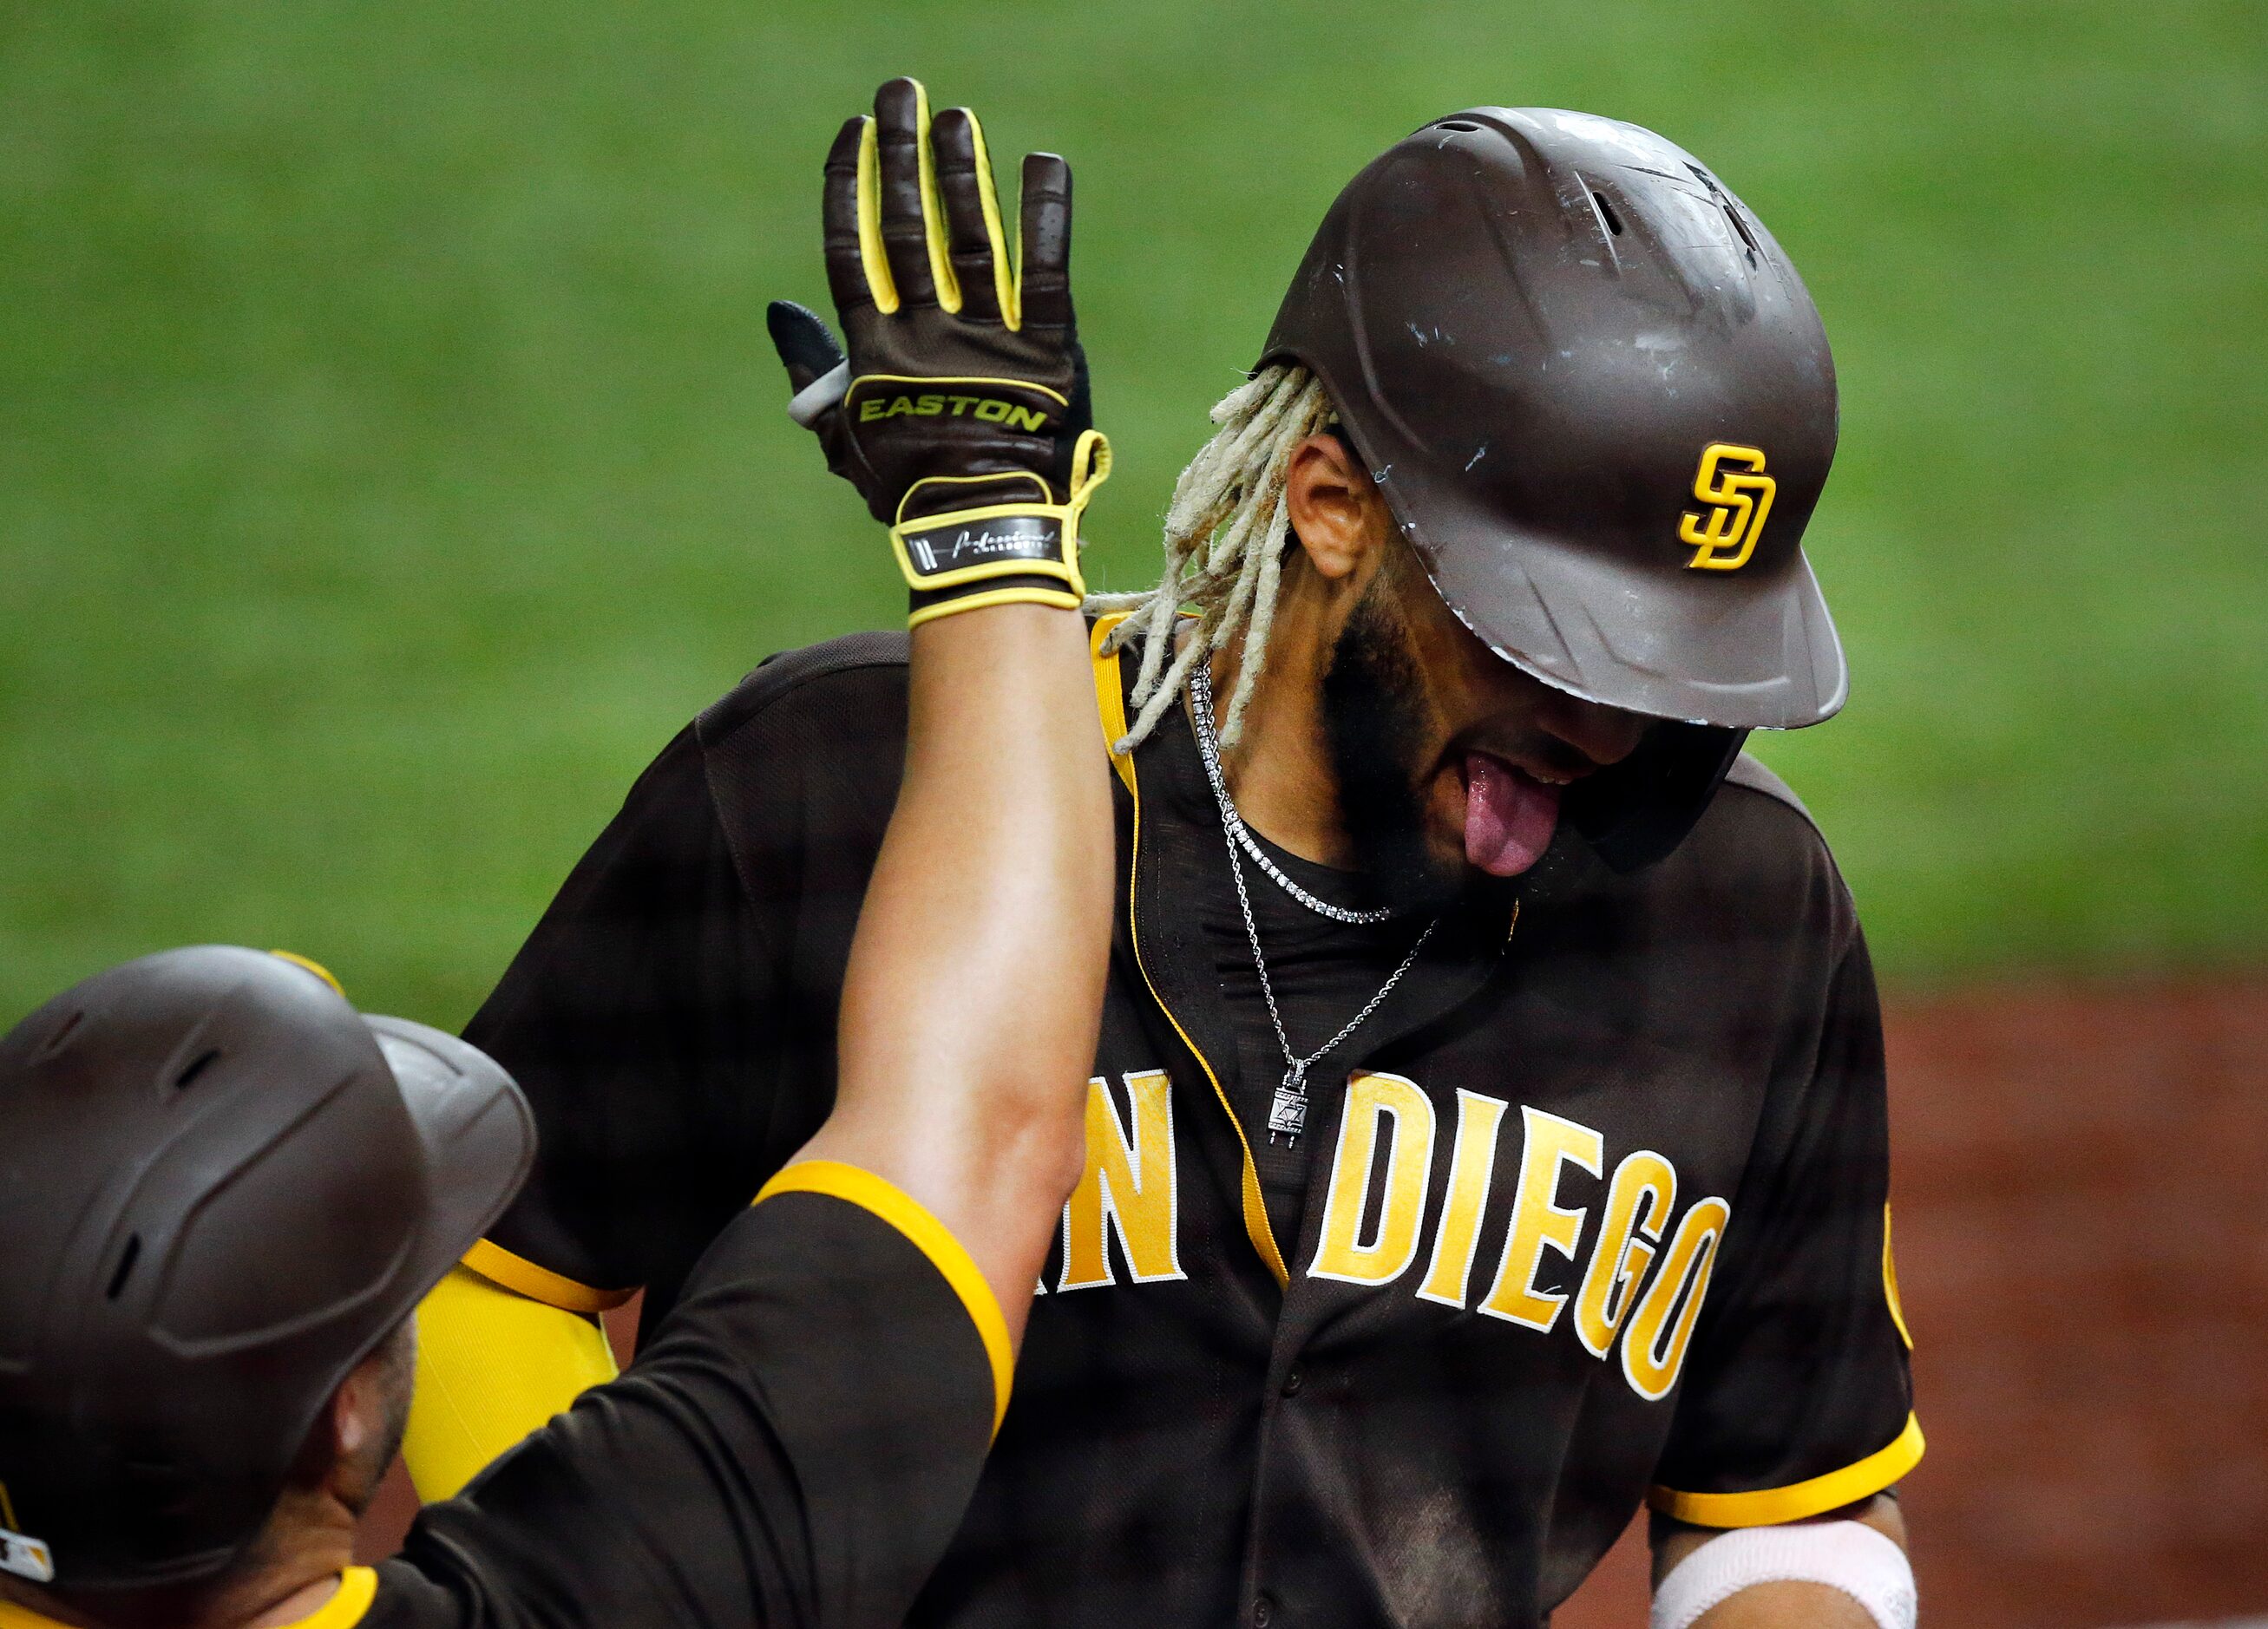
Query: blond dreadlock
[[1225, 531]]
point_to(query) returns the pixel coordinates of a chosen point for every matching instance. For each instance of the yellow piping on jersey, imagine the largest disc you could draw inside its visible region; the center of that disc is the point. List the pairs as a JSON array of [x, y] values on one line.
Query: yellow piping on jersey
[[1109, 697], [498, 1266], [908, 1215], [1768, 1506], [1891, 1283], [349, 1603]]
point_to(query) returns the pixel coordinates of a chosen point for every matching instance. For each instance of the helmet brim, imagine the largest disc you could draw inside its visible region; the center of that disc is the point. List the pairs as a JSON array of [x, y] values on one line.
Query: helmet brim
[[1764, 658], [478, 1133]]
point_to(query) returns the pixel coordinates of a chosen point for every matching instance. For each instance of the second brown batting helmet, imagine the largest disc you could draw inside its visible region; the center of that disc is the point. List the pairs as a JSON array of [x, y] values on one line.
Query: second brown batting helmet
[[220, 1188]]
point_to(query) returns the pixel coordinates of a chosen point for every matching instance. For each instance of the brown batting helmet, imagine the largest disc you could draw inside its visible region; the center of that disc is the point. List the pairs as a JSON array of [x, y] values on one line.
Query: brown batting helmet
[[220, 1188], [1601, 406]]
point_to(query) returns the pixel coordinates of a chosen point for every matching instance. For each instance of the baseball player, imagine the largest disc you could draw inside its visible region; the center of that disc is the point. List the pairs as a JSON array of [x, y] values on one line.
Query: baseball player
[[224, 1191], [1487, 1137]]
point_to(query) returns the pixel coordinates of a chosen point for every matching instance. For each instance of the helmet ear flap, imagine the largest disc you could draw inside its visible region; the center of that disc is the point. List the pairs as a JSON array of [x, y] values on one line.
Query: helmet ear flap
[[1637, 811]]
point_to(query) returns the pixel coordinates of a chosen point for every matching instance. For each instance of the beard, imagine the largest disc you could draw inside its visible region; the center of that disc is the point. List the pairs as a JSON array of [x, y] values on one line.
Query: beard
[[1374, 719], [397, 1378]]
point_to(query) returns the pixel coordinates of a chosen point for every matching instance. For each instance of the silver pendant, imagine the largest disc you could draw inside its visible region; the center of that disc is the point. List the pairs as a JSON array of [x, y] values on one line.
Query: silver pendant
[[1287, 1115]]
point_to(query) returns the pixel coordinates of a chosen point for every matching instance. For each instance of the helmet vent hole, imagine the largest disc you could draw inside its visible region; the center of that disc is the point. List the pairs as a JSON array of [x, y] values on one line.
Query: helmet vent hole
[[1458, 125], [1607, 215], [127, 1258], [63, 1032], [203, 1061], [1741, 227]]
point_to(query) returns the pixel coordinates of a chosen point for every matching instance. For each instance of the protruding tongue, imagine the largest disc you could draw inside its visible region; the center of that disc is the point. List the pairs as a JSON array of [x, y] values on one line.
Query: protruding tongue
[[1509, 818]]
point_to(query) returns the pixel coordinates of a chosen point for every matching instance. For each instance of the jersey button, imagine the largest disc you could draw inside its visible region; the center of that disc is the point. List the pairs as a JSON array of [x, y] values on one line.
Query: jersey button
[[1293, 1379], [1263, 1611]]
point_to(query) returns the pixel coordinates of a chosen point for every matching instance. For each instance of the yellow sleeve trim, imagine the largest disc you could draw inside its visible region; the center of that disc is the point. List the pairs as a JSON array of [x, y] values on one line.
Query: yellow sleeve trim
[[1109, 698], [499, 1266], [358, 1589], [1793, 1503], [910, 1217]]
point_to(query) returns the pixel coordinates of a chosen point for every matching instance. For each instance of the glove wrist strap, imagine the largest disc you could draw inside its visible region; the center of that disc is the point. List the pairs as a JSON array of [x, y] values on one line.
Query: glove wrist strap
[[997, 553]]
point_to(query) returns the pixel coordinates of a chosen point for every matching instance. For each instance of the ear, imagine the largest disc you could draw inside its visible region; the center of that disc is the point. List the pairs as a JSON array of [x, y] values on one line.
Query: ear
[[1336, 510], [354, 1413], [361, 1418]]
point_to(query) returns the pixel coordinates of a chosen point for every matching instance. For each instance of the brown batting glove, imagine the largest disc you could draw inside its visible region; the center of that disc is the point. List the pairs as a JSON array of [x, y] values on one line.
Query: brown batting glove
[[961, 414]]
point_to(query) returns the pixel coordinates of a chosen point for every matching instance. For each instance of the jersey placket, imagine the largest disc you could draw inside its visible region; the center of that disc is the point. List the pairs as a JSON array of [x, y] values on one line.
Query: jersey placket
[[1168, 947]]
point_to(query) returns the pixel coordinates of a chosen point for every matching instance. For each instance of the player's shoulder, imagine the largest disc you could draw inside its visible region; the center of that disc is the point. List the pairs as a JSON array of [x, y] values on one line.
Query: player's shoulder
[[1758, 849], [845, 687], [1775, 801]]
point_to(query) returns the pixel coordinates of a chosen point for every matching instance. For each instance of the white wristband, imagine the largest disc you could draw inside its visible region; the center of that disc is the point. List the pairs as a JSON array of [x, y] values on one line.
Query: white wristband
[[1849, 1556]]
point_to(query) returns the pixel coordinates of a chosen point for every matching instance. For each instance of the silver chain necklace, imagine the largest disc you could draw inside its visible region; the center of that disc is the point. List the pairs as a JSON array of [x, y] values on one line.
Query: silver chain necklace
[[1209, 748], [1287, 1113]]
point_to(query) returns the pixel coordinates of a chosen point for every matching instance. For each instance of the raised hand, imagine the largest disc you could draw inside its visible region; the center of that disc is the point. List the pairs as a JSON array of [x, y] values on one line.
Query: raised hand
[[961, 412]]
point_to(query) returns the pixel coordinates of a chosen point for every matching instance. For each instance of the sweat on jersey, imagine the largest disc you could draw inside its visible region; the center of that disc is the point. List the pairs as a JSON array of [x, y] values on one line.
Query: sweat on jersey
[[1594, 1210]]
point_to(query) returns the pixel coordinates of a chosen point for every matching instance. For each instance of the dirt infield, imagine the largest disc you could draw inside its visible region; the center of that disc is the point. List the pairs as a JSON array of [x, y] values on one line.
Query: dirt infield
[[2081, 1192]]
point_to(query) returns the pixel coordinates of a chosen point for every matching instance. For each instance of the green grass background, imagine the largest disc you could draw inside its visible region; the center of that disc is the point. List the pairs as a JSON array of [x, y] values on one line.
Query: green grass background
[[391, 457]]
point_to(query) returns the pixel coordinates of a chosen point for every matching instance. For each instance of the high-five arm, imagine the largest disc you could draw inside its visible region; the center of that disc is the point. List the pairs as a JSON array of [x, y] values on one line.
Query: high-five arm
[[969, 1014]]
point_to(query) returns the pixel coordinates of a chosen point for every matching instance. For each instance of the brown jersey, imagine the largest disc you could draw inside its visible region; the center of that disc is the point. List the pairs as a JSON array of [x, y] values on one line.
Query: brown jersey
[[1593, 1210], [792, 1450]]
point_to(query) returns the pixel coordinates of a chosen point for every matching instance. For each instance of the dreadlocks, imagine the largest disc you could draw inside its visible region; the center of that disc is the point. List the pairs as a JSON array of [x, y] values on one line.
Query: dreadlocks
[[1225, 533]]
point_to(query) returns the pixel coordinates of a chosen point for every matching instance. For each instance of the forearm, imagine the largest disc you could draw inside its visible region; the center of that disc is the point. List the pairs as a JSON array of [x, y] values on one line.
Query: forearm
[[971, 1002], [1787, 1606]]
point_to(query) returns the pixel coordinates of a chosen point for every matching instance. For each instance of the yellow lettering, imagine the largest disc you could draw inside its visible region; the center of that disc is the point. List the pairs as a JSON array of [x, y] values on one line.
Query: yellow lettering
[[1653, 1346], [871, 408], [1471, 1167], [899, 404], [1129, 1182], [1644, 1192], [1538, 1223], [1372, 1099], [960, 404], [929, 407], [1027, 418], [991, 412]]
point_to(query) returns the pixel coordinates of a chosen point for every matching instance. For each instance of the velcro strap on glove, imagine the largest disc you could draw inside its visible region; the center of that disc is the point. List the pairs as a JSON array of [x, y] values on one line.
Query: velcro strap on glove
[[1014, 550]]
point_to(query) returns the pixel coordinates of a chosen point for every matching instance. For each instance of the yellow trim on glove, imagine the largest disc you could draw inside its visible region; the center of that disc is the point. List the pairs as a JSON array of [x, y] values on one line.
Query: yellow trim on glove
[[910, 1217], [1090, 468], [492, 1367], [1008, 280], [932, 380], [1060, 599], [940, 251], [872, 256]]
